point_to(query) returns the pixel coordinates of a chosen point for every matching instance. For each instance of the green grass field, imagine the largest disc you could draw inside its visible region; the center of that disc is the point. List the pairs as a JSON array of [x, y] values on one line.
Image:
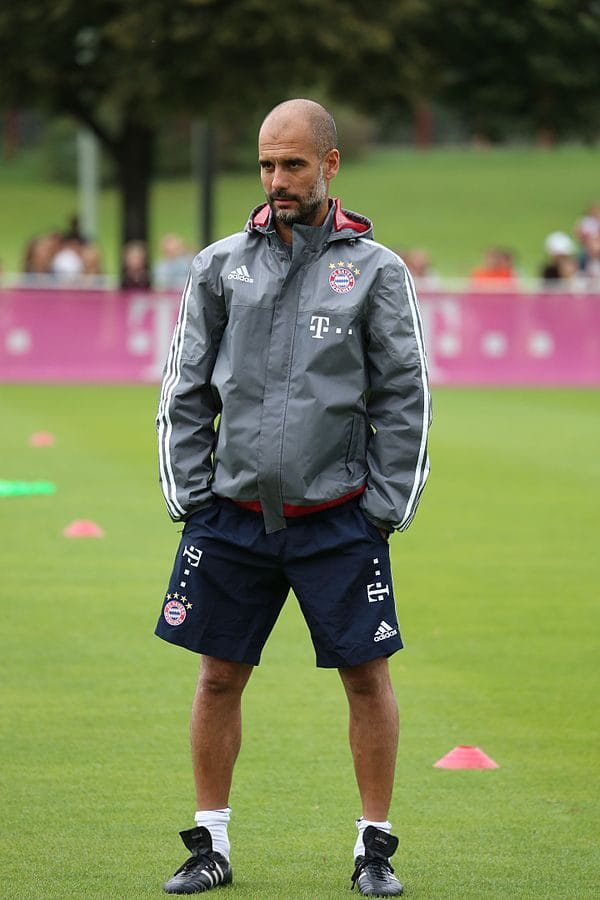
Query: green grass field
[[497, 589], [455, 203]]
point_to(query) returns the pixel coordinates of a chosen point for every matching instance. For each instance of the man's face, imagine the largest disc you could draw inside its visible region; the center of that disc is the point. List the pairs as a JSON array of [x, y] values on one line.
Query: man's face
[[295, 179]]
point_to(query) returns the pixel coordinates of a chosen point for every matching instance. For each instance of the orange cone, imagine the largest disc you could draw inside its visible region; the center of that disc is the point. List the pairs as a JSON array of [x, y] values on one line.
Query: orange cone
[[465, 757], [42, 439], [83, 528]]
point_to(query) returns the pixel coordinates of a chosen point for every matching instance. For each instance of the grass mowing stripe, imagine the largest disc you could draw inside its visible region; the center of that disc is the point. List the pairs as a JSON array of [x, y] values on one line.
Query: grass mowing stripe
[[496, 585]]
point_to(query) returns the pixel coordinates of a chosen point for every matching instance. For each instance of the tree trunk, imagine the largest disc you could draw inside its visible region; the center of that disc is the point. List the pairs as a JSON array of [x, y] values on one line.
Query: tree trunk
[[545, 138], [11, 134], [423, 124], [135, 161]]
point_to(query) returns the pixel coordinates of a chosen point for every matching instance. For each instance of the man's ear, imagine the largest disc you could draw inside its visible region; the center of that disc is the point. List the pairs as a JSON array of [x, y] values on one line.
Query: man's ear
[[331, 164]]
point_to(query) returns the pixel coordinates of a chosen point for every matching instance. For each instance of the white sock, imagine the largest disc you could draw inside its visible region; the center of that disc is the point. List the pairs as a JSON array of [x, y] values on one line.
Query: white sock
[[361, 824], [216, 820]]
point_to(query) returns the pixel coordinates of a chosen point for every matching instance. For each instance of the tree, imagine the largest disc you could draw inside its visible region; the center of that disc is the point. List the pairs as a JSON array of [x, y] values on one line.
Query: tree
[[532, 65], [505, 66], [117, 66]]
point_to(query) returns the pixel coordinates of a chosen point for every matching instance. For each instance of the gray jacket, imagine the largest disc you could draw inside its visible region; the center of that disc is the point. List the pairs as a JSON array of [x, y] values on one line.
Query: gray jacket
[[314, 359]]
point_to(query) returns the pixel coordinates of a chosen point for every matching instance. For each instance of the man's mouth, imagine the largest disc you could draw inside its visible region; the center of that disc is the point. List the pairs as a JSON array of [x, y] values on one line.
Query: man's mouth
[[283, 200]]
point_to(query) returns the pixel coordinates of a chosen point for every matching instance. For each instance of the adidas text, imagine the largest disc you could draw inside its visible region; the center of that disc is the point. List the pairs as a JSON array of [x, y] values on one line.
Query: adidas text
[[384, 632], [241, 274]]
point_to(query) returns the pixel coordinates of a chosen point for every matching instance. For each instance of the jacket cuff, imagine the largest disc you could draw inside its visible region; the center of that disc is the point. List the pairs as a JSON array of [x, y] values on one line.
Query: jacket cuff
[[197, 508], [379, 523]]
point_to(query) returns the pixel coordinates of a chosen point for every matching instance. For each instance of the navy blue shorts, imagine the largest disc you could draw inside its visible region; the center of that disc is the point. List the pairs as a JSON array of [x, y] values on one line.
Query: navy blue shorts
[[230, 581]]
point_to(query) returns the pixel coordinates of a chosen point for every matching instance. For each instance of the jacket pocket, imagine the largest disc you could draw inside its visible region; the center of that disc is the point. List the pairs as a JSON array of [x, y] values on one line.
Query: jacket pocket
[[355, 450]]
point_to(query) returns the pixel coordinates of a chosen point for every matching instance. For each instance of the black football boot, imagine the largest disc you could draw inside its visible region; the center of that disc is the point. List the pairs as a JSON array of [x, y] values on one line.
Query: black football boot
[[373, 873], [205, 869]]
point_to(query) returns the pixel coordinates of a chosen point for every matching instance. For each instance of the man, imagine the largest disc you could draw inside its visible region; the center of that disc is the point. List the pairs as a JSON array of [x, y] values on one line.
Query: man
[[304, 335]]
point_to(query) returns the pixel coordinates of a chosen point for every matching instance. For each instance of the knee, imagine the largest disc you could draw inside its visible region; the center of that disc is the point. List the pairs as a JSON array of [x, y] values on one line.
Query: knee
[[368, 680], [221, 678]]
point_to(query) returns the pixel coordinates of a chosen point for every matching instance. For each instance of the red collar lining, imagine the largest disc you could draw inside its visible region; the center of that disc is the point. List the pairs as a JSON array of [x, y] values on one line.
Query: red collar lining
[[340, 219], [262, 216]]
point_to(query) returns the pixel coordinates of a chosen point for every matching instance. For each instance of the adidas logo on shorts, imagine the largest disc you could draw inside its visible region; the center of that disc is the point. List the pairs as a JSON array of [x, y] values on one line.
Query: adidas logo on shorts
[[384, 632]]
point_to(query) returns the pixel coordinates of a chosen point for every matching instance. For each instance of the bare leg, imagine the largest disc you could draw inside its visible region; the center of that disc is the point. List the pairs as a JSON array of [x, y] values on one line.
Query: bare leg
[[216, 729], [373, 734]]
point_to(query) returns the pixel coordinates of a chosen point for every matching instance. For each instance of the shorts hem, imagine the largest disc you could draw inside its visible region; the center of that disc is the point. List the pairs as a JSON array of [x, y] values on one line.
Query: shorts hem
[[377, 653], [204, 650]]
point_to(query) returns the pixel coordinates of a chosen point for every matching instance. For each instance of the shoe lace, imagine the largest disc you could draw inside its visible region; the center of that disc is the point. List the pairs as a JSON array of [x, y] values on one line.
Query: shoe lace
[[199, 859], [377, 865]]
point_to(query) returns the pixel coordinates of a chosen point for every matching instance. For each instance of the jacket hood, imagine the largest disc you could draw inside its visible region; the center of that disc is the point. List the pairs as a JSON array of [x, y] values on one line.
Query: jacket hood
[[346, 224]]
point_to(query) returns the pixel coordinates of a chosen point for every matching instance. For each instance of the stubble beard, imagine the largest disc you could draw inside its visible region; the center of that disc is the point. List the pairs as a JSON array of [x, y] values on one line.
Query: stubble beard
[[306, 210]]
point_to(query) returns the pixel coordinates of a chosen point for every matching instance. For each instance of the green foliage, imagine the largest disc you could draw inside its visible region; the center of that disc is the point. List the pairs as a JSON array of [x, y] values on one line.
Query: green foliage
[[530, 66], [116, 67], [496, 585], [110, 63]]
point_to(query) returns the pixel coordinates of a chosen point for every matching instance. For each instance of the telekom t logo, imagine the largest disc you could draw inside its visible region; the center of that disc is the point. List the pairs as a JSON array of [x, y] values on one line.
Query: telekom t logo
[[319, 325], [193, 554], [377, 592]]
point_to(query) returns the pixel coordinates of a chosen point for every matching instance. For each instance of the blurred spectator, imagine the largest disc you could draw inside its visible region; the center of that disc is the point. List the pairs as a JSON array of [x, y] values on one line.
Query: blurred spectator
[[560, 266], [58, 257], [40, 252], [135, 271], [589, 224], [90, 256], [589, 261], [171, 269], [496, 270], [67, 262], [419, 265]]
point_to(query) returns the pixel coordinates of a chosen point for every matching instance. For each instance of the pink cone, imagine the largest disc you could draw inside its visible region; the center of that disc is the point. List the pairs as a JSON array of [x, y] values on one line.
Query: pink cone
[[42, 439], [464, 757], [83, 528]]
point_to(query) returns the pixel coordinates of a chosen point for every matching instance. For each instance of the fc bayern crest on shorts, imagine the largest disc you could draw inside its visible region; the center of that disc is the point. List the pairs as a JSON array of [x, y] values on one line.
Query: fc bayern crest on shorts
[[174, 612], [342, 277]]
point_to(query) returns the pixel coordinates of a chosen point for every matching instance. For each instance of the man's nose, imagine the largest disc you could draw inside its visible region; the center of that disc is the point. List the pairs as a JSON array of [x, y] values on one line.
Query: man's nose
[[280, 180]]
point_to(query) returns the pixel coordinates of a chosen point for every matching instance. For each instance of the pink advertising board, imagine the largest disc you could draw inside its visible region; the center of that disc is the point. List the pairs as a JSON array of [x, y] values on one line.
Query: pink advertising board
[[512, 339], [53, 335], [471, 338]]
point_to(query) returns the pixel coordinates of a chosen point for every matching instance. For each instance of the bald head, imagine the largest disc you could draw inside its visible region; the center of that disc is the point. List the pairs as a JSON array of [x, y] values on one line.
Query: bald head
[[318, 121]]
